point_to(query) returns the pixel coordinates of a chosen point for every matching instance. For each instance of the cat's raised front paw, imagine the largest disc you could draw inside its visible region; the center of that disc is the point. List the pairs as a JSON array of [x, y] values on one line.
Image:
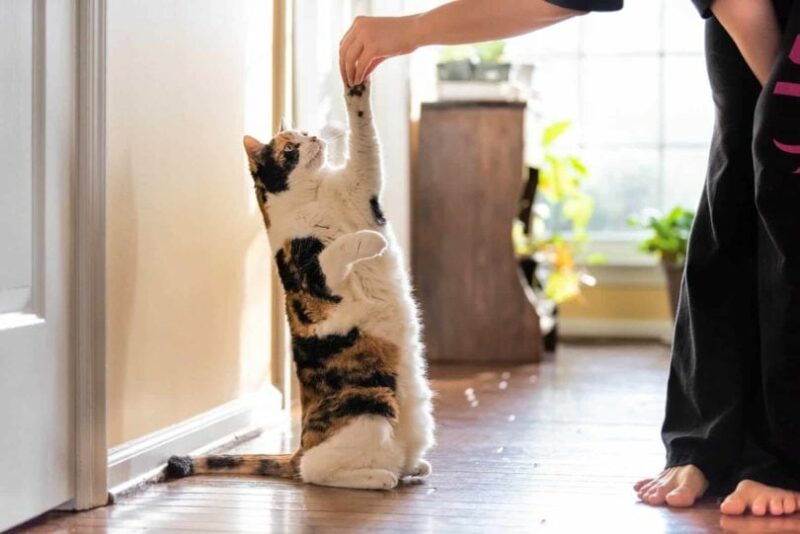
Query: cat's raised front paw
[[358, 91]]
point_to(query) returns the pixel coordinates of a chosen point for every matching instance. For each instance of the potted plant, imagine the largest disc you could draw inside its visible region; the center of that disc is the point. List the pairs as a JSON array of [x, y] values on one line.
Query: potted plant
[[490, 66], [482, 62], [455, 64], [557, 234], [668, 239]]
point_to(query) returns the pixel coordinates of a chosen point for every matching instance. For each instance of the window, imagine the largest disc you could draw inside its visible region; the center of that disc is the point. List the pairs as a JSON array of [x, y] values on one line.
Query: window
[[635, 87]]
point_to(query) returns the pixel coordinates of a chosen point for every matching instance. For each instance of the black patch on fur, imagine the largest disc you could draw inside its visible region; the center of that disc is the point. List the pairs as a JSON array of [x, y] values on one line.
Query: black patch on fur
[[360, 113], [300, 312], [223, 461], [274, 177], [179, 467], [288, 279], [313, 351], [268, 467], [377, 212], [304, 273], [357, 90], [334, 379], [361, 404]]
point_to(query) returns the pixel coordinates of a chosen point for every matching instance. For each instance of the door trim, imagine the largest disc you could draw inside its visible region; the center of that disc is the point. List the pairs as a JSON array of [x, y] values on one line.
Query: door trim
[[89, 262]]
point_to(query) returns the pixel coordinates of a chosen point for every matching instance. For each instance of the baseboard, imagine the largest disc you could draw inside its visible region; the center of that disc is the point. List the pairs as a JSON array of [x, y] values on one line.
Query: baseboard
[[135, 462], [616, 328]]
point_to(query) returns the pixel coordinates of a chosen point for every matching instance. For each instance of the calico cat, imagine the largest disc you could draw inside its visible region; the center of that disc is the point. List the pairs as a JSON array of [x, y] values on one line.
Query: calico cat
[[365, 398]]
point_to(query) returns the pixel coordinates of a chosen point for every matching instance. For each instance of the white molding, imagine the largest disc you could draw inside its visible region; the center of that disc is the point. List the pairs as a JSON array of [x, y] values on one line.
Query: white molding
[[89, 283], [141, 460], [660, 330]]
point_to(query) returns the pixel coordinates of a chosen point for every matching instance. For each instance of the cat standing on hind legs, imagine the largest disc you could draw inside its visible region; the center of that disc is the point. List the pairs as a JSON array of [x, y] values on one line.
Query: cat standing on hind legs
[[366, 402]]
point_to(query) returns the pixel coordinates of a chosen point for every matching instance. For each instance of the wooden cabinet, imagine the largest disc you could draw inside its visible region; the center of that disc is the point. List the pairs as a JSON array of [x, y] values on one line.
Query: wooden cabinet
[[475, 304]]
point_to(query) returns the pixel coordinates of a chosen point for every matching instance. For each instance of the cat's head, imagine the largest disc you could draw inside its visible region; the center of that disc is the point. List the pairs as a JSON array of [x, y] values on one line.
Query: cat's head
[[287, 158]]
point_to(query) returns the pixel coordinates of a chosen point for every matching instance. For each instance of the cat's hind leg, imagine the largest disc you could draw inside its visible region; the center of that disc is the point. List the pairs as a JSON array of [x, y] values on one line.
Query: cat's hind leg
[[361, 455], [366, 478]]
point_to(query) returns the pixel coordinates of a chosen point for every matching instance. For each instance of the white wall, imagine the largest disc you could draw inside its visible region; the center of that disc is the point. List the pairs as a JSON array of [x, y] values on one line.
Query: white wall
[[188, 262]]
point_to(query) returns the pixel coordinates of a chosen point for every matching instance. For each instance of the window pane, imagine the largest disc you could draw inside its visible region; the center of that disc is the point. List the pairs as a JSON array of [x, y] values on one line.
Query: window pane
[[623, 181], [555, 83], [559, 40], [635, 29], [689, 111], [620, 100], [683, 28], [555, 87], [684, 174]]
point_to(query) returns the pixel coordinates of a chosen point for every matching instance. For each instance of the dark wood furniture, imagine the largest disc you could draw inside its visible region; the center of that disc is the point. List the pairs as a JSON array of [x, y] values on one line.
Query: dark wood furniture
[[476, 307], [528, 263]]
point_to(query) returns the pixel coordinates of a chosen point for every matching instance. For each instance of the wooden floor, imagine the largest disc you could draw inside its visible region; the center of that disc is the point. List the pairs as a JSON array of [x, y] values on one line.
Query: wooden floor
[[552, 448]]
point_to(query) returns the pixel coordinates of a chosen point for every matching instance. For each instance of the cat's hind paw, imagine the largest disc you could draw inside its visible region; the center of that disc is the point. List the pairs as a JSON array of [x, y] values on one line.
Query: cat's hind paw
[[422, 469]]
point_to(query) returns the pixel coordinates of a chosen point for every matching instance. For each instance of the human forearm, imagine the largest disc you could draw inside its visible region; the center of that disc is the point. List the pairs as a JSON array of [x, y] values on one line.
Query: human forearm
[[370, 40], [470, 21], [753, 26]]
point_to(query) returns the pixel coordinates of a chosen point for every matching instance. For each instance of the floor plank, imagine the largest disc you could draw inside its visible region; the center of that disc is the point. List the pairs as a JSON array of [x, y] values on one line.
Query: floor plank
[[553, 447]]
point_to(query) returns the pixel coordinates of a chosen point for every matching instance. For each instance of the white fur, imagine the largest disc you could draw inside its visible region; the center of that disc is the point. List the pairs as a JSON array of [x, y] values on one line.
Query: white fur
[[363, 262]]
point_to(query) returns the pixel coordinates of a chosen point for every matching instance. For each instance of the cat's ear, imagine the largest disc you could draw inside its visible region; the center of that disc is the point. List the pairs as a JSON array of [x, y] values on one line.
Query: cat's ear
[[284, 125], [253, 147]]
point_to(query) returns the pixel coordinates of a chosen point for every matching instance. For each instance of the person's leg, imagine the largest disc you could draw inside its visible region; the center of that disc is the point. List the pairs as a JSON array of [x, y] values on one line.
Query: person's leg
[[772, 454], [716, 331]]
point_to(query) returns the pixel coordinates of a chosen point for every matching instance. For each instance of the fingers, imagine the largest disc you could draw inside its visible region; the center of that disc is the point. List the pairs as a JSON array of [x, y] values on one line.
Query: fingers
[[375, 62], [344, 47], [350, 57], [364, 60]]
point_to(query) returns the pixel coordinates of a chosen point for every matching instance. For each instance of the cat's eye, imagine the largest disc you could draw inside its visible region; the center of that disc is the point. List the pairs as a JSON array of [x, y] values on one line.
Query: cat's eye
[[288, 148]]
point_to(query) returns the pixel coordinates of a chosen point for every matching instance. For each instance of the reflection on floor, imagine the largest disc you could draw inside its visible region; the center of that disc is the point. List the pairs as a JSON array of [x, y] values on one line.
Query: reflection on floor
[[552, 447]]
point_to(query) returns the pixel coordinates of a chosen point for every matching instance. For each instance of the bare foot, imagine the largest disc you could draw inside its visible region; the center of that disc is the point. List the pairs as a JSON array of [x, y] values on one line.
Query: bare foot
[[676, 486], [749, 524], [760, 499]]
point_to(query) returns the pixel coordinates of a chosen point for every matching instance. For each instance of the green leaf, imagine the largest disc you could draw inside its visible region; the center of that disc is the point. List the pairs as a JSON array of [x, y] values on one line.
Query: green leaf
[[578, 165], [596, 258], [670, 232], [491, 51], [554, 131]]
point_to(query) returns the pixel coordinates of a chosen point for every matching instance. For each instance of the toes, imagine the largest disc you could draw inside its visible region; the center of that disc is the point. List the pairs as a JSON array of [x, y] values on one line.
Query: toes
[[642, 483], [646, 485], [658, 495], [789, 504], [776, 506], [644, 490], [680, 497], [759, 506], [733, 505]]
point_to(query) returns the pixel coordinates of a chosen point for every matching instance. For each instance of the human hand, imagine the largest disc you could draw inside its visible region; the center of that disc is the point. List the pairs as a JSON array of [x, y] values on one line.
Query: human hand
[[369, 41]]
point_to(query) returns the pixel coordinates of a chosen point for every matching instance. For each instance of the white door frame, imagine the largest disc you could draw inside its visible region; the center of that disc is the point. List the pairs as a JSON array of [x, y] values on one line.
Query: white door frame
[[90, 259]]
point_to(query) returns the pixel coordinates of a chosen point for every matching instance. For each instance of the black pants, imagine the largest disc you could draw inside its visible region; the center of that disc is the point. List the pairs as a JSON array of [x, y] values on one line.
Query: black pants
[[733, 401]]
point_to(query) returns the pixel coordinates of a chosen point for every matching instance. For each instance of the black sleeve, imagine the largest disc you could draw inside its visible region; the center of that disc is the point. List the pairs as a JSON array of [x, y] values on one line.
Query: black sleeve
[[588, 5], [704, 7]]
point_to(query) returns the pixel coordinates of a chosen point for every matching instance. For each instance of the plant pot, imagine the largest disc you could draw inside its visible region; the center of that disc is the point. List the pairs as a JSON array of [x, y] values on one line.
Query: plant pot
[[454, 71], [674, 275], [492, 72]]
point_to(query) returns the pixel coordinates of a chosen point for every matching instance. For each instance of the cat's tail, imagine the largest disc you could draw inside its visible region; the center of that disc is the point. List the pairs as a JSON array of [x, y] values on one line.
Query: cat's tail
[[277, 465]]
